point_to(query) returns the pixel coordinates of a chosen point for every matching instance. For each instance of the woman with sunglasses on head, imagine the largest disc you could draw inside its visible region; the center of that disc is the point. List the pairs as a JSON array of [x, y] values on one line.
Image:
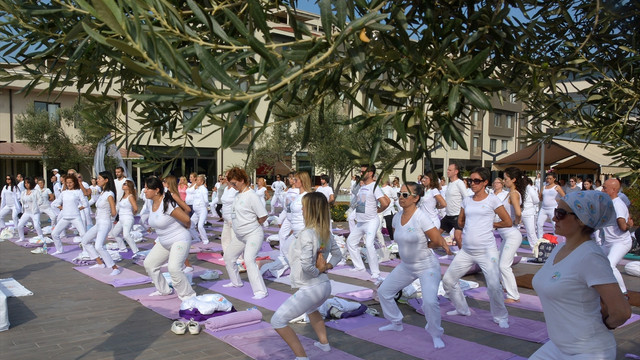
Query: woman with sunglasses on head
[[580, 296], [478, 247], [30, 200], [71, 201], [415, 235], [127, 208], [515, 181], [10, 202], [432, 200], [247, 218], [548, 198], [105, 211]]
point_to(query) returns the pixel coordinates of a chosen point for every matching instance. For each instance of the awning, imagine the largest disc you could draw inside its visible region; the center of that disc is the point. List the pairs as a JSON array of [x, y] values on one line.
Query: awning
[[565, 157], [24, 152]]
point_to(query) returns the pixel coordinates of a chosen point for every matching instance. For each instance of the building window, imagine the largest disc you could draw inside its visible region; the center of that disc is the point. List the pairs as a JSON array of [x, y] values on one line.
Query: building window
[[389, 131], [505, 145], [493, 145], [187, 115], [509, 119], [496, 120], [454, 145], [512, 98], [475, 116], [53, 109]]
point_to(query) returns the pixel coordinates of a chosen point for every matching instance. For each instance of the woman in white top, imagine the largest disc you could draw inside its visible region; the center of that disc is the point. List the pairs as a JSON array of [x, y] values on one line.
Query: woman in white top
[[10, 202], [199, 202], [226, 201], [548, 197], [146, 209], [478, 247], [529, 213], [432, 199], [498, 189], [190, 190], [308, 267], [30, 199], [95, 188], [515, 181], [127, 209], [46, 196], [580, 296], [172, 226], [71, 201], [415, 235], [105, 211], [262, 191], [247, 218]]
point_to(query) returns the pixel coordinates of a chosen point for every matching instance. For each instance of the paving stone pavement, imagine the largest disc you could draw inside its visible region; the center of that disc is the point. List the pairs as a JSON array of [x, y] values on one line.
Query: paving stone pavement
[[72, 316]]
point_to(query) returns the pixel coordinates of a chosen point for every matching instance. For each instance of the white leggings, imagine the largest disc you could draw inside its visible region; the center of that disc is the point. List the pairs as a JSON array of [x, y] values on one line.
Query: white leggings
[[227, 235], [367, 229], [402, 276], [543, 215], [63, 224], [250, 244], [176, 254], [549, 351], [48, 210], [283, 235], [529, 222], [35, 218], [98, 234], [511, 241], [488, 262], [14, 215], [198, 219], [124, 225], [305, 301], [615, 251]]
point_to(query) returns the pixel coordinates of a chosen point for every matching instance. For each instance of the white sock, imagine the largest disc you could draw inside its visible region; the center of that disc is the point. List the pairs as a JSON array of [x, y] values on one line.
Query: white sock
[[437, 342], [456, 312], [504, 323], [321, 346], [98, 266], [391, 327], [302, 358]]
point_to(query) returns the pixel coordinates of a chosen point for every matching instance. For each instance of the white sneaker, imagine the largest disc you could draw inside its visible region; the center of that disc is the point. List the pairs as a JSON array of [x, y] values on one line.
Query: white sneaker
[[178, 328], [230, 284], [38, 250], [187, 269], [123, 250], [194, 327], [259, 295], [158, 293], [115, 271], [57, 252], [98, 266]]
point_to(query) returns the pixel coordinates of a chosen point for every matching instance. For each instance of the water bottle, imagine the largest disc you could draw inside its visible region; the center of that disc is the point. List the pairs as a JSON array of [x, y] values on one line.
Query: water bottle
[[44, 247]]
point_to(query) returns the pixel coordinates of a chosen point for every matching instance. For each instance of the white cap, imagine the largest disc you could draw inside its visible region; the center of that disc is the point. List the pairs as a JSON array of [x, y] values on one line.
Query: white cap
[[56, 170]]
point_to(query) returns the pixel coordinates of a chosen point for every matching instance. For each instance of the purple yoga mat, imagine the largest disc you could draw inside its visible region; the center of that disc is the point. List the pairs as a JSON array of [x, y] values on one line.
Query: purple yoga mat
[[392, 263], [362, 275], [520, 328], [200, 247], [358, 295], [69, 252], [244, 293], [352, 323], [264, 343], [527, 302], [167, 306], [125, 278]]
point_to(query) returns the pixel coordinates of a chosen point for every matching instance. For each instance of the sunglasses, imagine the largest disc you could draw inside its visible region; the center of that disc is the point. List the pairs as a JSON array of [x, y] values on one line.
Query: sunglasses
[[560, 214], [405, 194], [476, 181]]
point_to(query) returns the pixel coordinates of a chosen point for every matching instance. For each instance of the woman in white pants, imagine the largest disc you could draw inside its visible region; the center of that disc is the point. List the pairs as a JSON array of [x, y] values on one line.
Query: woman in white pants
[[432, 199], [93, 240], [172, 226], [550, 192], [30, 200], [302, 182], [262, 191], [290, 195], [227, 199], [529, 213], [72, 201], [46, 196], [415, 234], [199, 202], [247, 218], [10, 202], [127, 208], [478, 247], [308, 267], [511, 236]]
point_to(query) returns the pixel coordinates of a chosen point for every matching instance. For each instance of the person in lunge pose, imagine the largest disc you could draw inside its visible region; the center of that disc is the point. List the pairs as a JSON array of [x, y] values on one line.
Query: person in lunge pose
[[548, 197], [580, 296], [30, 199], [456, 191], [10, 202], [46, 196], [308, 267], [127, 208], [72, 201], [105, 211], [415, 234], [278, 187], [199, 202], [476, 220]]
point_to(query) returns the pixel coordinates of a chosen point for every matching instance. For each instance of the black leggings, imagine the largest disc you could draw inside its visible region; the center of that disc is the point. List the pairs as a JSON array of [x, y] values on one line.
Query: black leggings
[[219, 209], [388, 219]]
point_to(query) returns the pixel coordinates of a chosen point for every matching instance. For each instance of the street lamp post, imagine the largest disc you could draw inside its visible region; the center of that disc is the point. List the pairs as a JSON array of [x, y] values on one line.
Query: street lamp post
[[494, 156]]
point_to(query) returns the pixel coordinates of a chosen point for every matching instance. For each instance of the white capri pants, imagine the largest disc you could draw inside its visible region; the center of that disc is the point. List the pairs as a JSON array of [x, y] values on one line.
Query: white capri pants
[[49, 211], [615, 251], [283, 235], [367, 229], [402, 276], [177, 253], [198, 219], [511, 241], [35, 218], [14, 215], [98, 234], [543, 215], [305, 301], [529, 222], [62, 226], [124, 225], [250, 244], [488, 262], [549, 351]]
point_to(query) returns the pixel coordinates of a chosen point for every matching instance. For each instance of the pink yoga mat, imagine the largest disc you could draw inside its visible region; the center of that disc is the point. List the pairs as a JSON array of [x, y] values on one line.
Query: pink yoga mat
[[244, 293], [214, 258], [520, 328], [358, 295], [167, 306], [265, 343], [125, 278], [69, 252]]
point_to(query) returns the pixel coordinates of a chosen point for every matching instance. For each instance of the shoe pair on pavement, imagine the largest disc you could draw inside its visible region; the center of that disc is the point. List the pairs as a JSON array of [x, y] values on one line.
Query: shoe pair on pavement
[[180, 328]]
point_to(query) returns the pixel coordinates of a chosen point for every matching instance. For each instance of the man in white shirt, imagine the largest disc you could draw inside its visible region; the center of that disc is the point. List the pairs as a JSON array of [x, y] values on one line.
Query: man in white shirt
[[579, 182], [56, 174], [278, 187], [617, 238], [20, 180], [367, 221], [325, 189], [118, 182], [456, 192]]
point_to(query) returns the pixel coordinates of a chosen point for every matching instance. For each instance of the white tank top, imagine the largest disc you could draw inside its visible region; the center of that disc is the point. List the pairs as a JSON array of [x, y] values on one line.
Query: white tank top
[[124, 207], [549, 198]]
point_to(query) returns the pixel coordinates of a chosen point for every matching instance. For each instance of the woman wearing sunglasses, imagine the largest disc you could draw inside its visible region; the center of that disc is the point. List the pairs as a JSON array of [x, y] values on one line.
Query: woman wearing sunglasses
[[433, 199], [415, 234], [580, 296], [478, 247]]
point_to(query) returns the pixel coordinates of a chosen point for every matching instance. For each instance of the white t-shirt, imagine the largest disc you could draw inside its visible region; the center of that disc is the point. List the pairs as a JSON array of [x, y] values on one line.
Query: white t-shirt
[[119, 191], [613, 233], [10, 198], [30, 202], [624, 198], [278, 186], [169, 229], [367, 205], [429, 203], [413, 244], [295, 217], [228, 196], [44, 197], [71, 200], [478, 227], [57, 188], [289, 197], [327, 191], [456, 192], [571, 305], [261, 191], [503, 195], [200, 197], [103, 208], [391, 209], [531, 201], [247, 208], [190, 193]]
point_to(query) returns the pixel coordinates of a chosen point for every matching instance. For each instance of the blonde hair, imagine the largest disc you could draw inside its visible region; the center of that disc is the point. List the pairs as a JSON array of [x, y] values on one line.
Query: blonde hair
[[183, 180], [305, 180], [316, 215], [203, 177], [172, 185]]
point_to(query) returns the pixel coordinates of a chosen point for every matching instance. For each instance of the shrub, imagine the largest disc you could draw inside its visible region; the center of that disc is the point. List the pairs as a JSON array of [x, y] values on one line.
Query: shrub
[[339, 212]]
